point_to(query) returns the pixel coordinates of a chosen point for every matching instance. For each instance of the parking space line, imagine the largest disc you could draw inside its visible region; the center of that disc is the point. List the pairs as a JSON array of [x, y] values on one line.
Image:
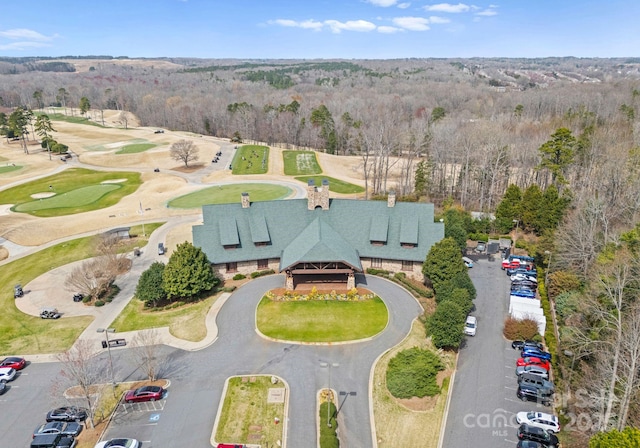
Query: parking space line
[[510, 388], [512, 400]]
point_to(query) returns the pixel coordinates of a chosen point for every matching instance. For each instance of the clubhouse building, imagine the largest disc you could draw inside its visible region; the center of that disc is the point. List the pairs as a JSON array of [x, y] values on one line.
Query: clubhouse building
[[317, 240]]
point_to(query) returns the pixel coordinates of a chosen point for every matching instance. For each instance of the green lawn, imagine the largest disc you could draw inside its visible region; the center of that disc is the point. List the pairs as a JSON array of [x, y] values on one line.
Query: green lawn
[[300, 163], [230, 193], [246, 413], [335, 185], [136, 147], [251, 159], [72, 119], [70, 187], [9, 168], [23, 334], [185, 322], [321, 320]]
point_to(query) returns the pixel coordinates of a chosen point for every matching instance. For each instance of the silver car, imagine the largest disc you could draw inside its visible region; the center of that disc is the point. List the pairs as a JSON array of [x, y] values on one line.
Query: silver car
[[534, 370]]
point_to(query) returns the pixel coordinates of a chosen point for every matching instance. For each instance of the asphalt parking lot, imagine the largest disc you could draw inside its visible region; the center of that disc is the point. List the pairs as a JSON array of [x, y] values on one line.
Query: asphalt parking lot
[[136, 421], [484, 402]]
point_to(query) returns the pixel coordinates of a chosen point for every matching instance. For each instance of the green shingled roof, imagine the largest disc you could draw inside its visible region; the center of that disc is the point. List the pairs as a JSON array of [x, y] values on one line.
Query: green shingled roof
[[319, 242], [355, 221]]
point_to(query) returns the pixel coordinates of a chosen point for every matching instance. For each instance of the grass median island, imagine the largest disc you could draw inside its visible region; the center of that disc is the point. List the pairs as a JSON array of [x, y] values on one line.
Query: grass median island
[[230, 193], [335, 185], [75, 190], [251, 159], [321, 320], [300, 163], [246, 416], [23, 334]]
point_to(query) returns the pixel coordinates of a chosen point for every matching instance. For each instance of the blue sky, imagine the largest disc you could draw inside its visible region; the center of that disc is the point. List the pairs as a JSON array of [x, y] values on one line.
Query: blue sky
[[358, 29]]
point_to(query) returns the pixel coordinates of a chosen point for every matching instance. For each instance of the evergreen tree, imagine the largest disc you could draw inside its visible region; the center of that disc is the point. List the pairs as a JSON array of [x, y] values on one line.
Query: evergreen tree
[[443, 262], [188, 273], [149, 289], [508, 209], [532, 208], [446, 325], [557, 154]]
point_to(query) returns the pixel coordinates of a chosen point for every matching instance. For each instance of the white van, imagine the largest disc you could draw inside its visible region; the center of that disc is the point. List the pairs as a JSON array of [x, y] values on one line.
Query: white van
[[470, 326]]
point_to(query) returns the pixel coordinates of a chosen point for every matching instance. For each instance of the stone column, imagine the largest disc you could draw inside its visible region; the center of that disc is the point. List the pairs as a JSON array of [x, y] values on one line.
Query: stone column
[[351, 280], [289, 281]]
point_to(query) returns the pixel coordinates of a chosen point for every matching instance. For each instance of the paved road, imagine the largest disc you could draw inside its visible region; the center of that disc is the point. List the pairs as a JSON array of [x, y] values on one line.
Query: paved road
[[484, 402], [197, 378]]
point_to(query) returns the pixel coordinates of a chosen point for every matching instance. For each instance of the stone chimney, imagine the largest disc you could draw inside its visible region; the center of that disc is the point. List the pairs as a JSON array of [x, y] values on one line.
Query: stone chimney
[[317, 196], [391, 199], [245, 200]]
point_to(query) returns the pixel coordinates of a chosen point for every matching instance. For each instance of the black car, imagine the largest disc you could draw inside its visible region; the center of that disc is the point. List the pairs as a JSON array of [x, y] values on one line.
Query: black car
[[78, 297], [66, 429], [529, 444], [533, 433], [521, 344], [53, 441], [529, 392], [67, 414], [3, 386]]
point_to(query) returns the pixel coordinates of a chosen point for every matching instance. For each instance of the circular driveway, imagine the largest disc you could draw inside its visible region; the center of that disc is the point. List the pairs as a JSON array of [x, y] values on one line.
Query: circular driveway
[[199, 377]]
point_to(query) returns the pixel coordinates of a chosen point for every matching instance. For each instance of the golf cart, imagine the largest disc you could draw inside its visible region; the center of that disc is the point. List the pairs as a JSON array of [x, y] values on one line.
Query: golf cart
[[49, 313], [17, 291]]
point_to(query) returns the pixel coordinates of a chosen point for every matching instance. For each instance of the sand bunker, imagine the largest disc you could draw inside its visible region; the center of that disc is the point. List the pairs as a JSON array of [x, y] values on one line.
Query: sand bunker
[[113, 181], [43, 195]]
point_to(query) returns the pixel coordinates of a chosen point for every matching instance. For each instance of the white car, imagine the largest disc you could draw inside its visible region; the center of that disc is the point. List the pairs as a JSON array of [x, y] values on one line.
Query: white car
[[119, 443], [468, 262], [7, 373], [470, 326], [539, 419]]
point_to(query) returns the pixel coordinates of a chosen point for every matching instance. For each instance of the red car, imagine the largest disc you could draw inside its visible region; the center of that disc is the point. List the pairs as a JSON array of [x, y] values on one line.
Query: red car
[[144, 393], [14, 362], [531, 361]]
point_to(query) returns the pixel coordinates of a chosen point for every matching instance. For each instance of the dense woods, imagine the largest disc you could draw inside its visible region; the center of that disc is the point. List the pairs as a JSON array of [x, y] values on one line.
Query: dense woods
[[557, 137]]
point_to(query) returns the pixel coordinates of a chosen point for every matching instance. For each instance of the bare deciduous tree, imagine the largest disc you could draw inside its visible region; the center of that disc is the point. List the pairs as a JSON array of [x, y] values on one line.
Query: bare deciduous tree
[[145, 353], [184, 151], [82, 369]]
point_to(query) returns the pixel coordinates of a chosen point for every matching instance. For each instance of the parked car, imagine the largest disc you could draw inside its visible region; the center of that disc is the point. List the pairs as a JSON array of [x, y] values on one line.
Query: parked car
[[526, 293], [528, 343], [531, 361], [470, 326], [160, 249], [119, 443], [3, 387], [67, 414], [536, 434], [229, 445], [68, 429], [521, 276], [78, 297], [17, 291], [480, 247], [536, 353], [156, 170], [7, 373], [529, 444], [14, 362], [49, 313], [548, 422], [528, 392], [53, 441], [468, 262], [533, 370], [144, 393], [538, 381]]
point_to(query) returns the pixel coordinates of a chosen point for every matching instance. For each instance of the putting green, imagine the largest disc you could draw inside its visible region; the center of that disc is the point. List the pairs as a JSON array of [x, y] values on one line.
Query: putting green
[[9, 168], [227, 194], [76, 198]]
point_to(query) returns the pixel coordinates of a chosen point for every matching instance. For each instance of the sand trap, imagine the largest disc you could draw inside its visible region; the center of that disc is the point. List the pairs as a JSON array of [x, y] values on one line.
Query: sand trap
[[113, 181], [5, 209], [42, 195]]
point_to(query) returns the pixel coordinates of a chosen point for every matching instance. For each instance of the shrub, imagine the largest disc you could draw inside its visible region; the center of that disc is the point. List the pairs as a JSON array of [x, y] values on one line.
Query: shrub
[[413, 286], [86, 299], [380, 272], [446, 325], [99, 303], [228, 289], [412, 373], [520, 329], [239, 277], [262, 273]]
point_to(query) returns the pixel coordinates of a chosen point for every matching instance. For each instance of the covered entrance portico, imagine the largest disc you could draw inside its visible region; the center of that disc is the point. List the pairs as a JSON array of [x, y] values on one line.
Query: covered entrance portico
[[322, 275]]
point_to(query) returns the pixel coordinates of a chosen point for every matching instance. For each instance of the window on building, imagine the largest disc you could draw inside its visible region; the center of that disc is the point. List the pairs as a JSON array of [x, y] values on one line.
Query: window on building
[[376, 263], [377, 243], [407, 265], [263, 264], [408, 245], [232, 267]]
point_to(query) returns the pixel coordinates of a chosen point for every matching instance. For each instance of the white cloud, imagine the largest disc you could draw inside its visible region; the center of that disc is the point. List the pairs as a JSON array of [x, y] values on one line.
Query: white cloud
[[404, 5], [350, 25], [23, 45], [383, 3], [412, 23], [23, 33], [448, 7], [436, 19], [389, 29], [487, 13], [306, 24]]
